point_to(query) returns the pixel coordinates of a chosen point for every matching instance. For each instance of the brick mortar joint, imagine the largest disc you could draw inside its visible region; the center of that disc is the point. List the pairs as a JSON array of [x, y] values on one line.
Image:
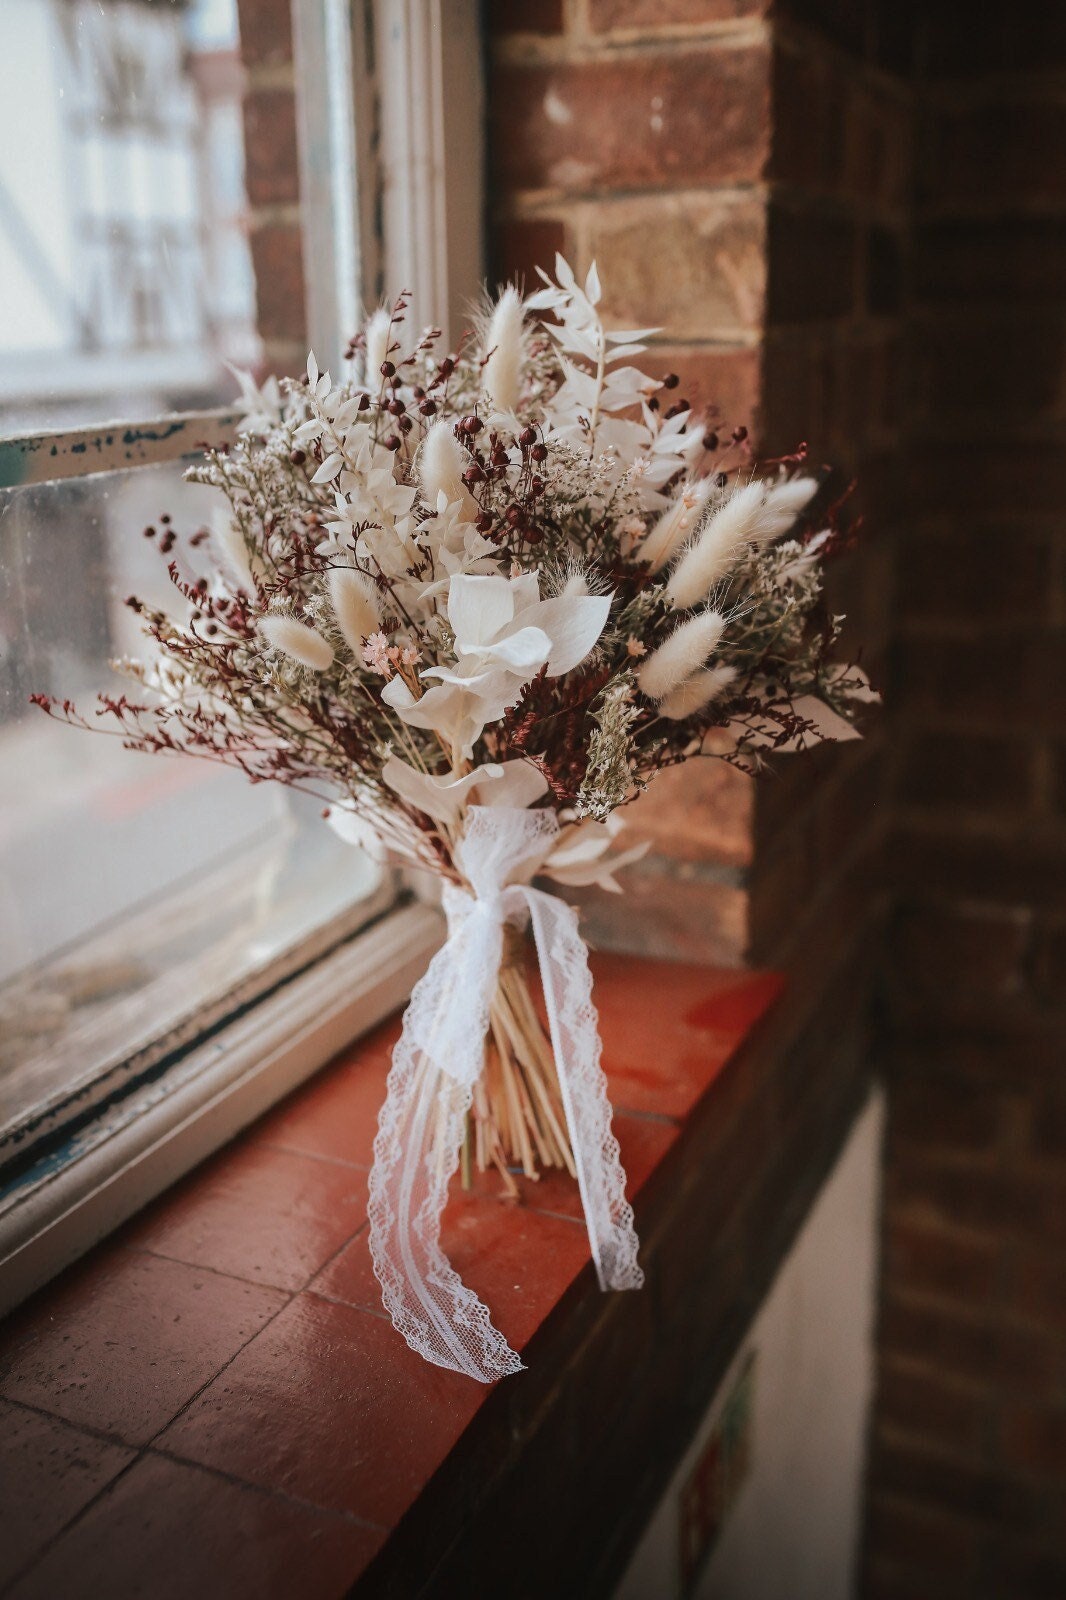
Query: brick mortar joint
[[517, 204], [535, 51], [285, 214], [521, 204], [270, 77]]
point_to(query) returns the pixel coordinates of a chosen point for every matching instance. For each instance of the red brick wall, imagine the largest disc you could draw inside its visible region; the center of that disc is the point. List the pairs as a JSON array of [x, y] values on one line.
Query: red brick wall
[[968, 1487], [638, 134], [272, 181], [699, 152]]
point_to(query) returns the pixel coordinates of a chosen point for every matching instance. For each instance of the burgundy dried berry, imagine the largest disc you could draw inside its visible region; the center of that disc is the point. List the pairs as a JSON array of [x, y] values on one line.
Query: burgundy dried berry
[[396, 407], [297, 457], [513, 514], [387, 369], [405, 424], [483, 523], [527, 437], [473, 474], [364, 403], [447, 367], [739, 435], [536, 486], [710, 442], [539, 452], [149, 532], [392, 442], [428, 408], [671, 380]]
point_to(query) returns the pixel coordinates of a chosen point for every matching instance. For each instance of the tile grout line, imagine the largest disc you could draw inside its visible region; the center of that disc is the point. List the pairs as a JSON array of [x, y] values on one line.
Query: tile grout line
[[142, 1451], [152, 1448], [310, 1155]]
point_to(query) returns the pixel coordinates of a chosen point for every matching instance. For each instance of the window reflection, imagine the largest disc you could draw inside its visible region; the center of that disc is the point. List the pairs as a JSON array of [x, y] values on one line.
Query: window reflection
[[136, 892], [125, 272]]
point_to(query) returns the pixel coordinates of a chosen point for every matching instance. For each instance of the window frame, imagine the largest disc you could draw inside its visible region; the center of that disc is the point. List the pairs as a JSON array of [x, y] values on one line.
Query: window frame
[[422, 175]]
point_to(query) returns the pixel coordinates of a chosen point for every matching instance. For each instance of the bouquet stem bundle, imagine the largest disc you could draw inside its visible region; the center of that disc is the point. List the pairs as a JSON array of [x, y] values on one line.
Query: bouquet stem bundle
[[517, 1119]]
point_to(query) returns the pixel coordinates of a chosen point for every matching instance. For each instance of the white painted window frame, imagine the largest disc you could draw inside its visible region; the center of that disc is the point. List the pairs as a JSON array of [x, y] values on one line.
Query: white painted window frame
[[391, 89]]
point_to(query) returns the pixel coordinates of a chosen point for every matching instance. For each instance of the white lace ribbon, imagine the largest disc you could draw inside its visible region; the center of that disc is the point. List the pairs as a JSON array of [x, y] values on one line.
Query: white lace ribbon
[[435, 1065]]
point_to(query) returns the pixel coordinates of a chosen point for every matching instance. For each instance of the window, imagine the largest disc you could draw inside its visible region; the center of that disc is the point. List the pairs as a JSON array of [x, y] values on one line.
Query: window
[[152, 913]]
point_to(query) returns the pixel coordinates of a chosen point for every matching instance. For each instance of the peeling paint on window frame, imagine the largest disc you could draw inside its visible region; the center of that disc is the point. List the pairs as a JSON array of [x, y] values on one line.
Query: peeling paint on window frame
[[33, 458]]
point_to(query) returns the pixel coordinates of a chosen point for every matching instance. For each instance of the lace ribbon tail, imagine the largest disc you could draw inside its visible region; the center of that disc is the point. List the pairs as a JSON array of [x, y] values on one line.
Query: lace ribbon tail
[[567, 984], [416, 1153]]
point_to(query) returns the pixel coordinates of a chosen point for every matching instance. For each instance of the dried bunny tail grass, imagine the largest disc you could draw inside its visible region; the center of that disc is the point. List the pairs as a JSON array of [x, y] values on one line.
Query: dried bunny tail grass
[[755, 514], [681, 655], [781, 506], [377, 347], [355, 605], [710, 554], [441, 464], [697, 692], [503, 370], [297, 640], [675, 524], [229, 541]]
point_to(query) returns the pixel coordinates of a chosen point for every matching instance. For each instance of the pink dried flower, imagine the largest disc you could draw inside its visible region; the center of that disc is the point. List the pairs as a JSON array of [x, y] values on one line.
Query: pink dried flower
[[377, 654]]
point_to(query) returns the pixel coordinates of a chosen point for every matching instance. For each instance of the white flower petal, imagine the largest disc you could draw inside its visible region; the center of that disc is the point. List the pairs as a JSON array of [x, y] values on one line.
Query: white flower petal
[[573, 623], [479, 607], [518, 785], [524, 652], [441, 798], [828, 724], [354, 829]]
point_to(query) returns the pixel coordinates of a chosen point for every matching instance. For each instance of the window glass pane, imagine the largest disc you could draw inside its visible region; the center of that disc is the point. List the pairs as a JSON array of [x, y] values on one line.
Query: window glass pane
[[135, 891], [125, 273]]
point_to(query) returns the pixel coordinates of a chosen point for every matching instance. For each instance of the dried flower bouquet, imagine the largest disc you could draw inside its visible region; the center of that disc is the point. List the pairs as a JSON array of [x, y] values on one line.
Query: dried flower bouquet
[[475, 602]]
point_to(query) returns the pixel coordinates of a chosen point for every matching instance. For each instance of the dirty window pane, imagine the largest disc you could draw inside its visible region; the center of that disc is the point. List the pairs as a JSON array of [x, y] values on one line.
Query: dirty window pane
[[125, 273], [136, 892]]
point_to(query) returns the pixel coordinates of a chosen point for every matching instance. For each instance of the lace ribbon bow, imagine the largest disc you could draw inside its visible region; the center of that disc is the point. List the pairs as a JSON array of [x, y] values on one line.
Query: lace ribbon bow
[[435, 1065]]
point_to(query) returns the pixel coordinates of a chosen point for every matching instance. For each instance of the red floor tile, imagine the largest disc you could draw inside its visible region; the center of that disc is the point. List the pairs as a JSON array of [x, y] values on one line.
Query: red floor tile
[[350, 1277], [171, 1532], [517, 1260], [329, 1405], [270, 1216], [738, 1001], [666, 1037], [124, 1342], [336, 1114], [48, 1471], [507, 1232], [642, 1143]]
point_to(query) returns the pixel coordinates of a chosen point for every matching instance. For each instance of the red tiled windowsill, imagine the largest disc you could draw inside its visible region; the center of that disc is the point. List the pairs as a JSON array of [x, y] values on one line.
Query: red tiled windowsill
[[214, 1402]]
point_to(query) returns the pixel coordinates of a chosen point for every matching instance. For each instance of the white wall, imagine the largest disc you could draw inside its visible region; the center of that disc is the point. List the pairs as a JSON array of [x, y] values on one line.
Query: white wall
[[792, 1532]]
